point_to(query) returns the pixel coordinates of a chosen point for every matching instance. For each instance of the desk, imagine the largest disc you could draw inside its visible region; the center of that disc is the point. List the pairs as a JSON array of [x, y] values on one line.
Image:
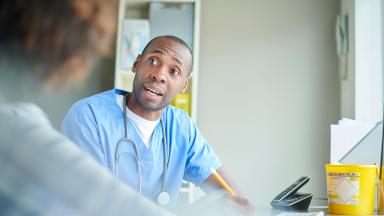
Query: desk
[[260, 211], [268, 210], [216, 204], [265, 210]]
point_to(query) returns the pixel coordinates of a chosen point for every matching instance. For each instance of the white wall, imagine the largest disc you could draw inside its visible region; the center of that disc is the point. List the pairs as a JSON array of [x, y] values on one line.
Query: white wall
[[269, 89], [368, 61], [362, 91]]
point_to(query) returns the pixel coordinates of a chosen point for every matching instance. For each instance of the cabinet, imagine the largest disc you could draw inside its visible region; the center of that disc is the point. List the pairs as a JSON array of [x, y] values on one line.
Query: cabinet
[[160, 17]]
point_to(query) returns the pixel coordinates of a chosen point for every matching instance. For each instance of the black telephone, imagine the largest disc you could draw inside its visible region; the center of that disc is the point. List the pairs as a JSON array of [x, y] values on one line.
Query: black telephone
[[290, 200]]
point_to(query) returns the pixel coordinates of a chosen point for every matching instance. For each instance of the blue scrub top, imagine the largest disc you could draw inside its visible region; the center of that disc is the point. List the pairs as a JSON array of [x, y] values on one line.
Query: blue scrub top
[[96, 124]]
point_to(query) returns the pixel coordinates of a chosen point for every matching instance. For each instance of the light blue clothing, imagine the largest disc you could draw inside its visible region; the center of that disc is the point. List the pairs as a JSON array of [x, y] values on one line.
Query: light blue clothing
[[44, 173], [96, 124]]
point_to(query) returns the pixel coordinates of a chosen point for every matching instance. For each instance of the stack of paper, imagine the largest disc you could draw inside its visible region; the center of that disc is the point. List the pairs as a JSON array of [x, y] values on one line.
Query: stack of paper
[[345, 135]]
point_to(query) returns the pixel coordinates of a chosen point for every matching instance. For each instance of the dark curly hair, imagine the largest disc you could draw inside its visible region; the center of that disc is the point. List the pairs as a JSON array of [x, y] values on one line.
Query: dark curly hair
[[61, 37]]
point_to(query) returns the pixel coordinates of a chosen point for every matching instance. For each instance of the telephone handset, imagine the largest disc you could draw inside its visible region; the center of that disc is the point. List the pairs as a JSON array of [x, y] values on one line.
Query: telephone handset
[[290, 200]]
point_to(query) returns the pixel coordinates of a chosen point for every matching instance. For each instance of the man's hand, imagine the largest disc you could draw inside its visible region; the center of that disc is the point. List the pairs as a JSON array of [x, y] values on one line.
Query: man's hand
[[220, 180], [242, 205]]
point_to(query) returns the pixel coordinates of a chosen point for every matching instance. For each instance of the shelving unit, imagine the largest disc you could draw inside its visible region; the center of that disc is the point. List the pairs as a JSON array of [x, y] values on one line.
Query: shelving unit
[[172, 12]]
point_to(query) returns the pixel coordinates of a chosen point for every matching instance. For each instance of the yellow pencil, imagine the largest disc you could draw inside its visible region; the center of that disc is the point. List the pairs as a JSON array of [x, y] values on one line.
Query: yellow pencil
[[223, 183]]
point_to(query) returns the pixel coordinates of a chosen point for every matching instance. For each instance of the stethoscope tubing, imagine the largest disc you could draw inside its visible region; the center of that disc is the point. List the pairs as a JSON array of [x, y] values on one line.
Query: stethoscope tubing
[[137, 157], [137, 153]]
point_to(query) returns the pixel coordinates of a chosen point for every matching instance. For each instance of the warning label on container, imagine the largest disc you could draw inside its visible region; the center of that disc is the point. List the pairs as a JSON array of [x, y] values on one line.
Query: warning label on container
[[343, 188]]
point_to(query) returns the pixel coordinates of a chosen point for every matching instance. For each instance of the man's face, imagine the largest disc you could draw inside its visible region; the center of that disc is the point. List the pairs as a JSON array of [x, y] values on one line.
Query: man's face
[[161, 72]]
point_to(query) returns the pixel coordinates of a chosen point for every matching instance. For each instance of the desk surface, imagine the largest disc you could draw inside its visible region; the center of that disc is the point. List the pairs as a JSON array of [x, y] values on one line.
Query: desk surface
[[266, 210], [269, 211], [214, 205]]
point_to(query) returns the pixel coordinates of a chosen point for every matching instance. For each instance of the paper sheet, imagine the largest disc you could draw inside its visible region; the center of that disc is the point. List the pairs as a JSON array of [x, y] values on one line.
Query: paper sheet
[[345, 135]]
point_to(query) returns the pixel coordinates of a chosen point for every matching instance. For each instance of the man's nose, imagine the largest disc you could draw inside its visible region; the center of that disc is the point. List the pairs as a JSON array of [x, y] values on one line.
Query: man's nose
[[160, 74]]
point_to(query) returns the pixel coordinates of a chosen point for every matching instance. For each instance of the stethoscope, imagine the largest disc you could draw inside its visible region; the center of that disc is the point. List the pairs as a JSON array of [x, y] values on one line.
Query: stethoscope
[[163, 198]]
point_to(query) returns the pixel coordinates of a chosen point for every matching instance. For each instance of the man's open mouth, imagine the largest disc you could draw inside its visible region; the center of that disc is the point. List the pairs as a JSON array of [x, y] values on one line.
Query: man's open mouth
[[153, 91]]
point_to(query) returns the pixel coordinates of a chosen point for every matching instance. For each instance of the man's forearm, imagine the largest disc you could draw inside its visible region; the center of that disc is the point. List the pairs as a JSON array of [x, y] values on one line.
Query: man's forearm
[[212, 182]]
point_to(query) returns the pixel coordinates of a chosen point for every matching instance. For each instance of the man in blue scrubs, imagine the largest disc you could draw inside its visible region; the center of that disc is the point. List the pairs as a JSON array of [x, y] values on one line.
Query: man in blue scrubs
[[96, 125]]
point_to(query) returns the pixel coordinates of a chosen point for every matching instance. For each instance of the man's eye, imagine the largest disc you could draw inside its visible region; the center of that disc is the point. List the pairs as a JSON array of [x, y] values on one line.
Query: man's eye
[[152, 61], [175, 72]]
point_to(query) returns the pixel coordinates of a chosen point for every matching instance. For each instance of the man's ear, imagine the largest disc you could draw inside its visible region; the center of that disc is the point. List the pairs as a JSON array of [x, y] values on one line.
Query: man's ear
[[134, 66], [185, 87]]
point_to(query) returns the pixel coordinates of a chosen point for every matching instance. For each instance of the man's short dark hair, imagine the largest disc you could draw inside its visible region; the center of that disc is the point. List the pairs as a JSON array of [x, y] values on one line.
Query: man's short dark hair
[[174, 39]]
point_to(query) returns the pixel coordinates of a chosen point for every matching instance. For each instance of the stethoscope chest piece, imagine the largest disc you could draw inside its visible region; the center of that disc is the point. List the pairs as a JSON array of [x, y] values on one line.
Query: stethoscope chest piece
[[163, 198]]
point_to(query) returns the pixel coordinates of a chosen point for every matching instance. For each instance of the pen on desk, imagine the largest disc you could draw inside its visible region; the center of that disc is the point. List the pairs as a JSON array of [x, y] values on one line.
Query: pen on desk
[[222, 182]]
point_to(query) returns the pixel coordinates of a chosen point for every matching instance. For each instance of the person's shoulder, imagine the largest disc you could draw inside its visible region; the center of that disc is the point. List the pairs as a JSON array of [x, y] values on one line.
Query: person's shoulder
[[175, 111], [175, 114], [100, 98], [20, 114], [97, 100], [23, 110]]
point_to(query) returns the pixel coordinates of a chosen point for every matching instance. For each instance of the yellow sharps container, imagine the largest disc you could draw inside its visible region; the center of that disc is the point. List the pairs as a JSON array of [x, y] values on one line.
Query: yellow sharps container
[[351, 189]]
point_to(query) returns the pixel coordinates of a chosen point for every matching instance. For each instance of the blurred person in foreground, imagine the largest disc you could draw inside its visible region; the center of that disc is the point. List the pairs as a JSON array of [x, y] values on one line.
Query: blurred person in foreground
[[53, 43]]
